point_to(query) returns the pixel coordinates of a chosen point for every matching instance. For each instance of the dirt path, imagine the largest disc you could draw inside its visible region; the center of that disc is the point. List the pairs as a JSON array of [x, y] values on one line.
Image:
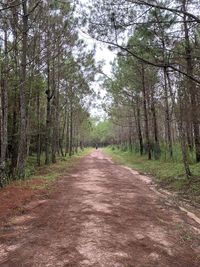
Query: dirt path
[[101, 215]]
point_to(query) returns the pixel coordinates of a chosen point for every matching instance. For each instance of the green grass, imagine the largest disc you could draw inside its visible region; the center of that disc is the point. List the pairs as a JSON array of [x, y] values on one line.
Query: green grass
[[169, 175], [48, 174]]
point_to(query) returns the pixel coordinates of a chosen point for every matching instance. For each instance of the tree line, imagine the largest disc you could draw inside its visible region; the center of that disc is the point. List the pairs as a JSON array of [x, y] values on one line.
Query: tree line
[[45, 75], [155, 85]]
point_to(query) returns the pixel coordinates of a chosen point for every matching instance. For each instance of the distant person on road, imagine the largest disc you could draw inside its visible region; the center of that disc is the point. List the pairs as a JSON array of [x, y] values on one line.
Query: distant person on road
[[96, 146]]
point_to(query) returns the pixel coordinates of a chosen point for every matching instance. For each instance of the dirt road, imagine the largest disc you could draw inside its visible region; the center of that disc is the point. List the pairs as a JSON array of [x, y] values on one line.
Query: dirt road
[[101, 215]]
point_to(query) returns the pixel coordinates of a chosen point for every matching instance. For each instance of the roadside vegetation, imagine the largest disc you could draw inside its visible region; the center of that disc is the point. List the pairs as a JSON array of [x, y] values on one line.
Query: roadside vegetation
[[49, 173], [167, 174], [37, 185]]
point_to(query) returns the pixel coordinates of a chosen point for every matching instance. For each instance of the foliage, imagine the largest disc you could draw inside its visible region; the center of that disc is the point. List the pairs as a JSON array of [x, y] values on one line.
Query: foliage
[[101, 132], [46, 75]]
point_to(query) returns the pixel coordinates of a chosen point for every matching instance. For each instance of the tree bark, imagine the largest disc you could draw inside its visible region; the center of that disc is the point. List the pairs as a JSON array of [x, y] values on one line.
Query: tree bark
[[183, 137], [38, 128], [146, 114], [48, 116], [167, 114], [54, 116], [155, 127], [139, 127], [4, 111], [22, 93], [15, 106], [67, 133], [71, 130], [191, 87]]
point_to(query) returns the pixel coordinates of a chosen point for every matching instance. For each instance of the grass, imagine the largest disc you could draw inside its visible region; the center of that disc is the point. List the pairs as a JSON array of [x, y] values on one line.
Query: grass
[[168, 174], [37, 185], [42, 177]]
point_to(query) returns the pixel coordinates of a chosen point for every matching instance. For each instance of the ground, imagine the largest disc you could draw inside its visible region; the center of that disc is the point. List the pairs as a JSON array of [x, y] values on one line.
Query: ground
[[101, 214]]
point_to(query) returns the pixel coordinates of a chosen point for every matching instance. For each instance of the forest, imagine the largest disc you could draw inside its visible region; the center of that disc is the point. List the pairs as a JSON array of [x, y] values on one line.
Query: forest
[[99, 133], [154, 84], [47, 73]]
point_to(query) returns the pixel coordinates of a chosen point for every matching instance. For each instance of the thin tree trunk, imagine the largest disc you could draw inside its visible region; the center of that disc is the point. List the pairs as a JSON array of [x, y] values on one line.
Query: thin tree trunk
[[184, 149], [139, 127], [67, 133], [4, 112], [190, 136], [155, 126], [61, 137], [38, 129], [191, 87], [183, 138], [15, 108], [48, 116], [167, 115], [76, 139], [145, 114], [22, 93], [53, 116], [58, 120], [71, 131]]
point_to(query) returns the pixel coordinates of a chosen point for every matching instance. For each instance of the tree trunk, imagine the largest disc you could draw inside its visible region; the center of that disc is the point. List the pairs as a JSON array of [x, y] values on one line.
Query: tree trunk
[[48, 116], [71, 131], [15, 106], [61, 137], [38, 128], [167, 115], [155, 127], [4, 112], [54, 117], [192, 87], [67, 133], [139, 128], [22, 93], [183, 137], [146, 114]]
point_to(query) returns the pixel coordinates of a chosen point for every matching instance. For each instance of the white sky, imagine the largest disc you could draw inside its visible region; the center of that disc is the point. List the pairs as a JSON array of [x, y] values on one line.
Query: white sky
[[102, 53]]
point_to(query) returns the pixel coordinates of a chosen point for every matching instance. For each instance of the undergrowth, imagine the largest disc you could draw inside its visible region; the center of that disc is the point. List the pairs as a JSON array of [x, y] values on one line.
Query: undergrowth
[[168, 174], [47, 174]]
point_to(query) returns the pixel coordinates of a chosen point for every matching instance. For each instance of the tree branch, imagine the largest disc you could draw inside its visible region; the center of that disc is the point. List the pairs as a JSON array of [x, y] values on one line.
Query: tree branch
[[174, 10]]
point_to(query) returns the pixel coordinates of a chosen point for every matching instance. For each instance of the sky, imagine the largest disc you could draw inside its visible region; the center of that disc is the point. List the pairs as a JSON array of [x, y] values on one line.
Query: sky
[[102, 53]]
